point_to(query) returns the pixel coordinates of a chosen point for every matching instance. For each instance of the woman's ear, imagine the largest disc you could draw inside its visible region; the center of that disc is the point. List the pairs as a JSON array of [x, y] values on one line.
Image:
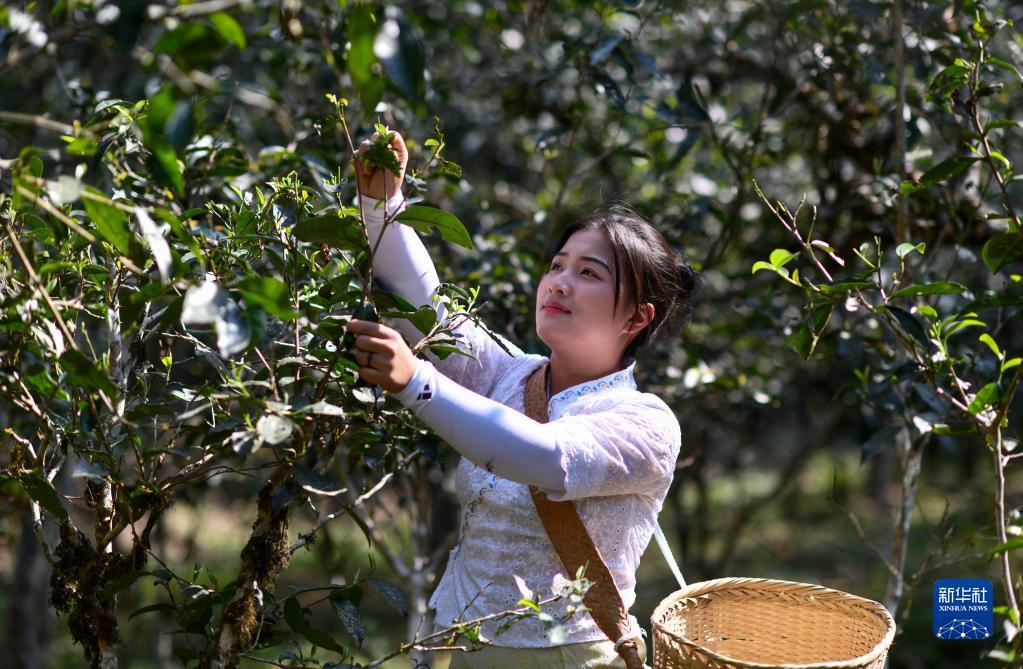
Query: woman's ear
[[644, 316]]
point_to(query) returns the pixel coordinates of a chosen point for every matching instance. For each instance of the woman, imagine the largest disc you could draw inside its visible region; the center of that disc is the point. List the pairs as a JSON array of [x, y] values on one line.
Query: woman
[[612, 285]]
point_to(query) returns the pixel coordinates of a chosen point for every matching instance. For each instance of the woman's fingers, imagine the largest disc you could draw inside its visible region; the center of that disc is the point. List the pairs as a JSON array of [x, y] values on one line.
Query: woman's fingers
[[369, 359], [399, 148], [359, 326], [378, 347], [383, 356], [374, 337]]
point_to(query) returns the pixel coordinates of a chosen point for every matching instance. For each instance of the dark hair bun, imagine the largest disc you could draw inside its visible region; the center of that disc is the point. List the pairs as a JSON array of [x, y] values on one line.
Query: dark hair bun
[[686, 276]]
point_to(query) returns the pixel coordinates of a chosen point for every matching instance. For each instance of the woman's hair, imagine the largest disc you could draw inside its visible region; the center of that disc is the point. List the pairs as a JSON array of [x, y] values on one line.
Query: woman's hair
[[646, 268]]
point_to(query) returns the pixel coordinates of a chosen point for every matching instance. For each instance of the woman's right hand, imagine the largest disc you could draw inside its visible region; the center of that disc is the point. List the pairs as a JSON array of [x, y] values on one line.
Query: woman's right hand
[[378, 182]]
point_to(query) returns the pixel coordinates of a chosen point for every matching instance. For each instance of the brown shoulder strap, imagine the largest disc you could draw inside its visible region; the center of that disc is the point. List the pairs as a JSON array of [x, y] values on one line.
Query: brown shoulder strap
[[575, 547]]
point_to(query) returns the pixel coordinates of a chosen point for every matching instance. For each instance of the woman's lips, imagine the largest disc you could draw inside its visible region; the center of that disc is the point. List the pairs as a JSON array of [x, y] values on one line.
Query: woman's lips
[[555, 310]]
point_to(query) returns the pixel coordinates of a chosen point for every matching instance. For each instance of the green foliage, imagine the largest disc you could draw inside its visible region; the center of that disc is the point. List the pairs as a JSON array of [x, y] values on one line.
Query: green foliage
[[929, 390]]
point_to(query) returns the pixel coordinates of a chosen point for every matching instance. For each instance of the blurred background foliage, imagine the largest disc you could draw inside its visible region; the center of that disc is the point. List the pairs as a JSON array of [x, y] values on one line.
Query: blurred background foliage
[[811, 450]]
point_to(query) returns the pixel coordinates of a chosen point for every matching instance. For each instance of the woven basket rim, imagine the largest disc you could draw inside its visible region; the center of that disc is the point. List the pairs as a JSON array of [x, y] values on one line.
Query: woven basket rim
[[696, 589]]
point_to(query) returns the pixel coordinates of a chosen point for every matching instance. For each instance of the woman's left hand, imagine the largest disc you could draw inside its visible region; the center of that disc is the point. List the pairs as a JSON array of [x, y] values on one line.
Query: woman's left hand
[[383, 357]]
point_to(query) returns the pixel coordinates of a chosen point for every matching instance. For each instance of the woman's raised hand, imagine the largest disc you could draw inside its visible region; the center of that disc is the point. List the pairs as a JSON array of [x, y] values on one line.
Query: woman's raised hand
[[377, 182], [383, 357]]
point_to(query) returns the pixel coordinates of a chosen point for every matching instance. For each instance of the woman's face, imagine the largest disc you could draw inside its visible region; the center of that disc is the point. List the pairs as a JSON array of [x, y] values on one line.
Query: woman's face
[[581, 280]]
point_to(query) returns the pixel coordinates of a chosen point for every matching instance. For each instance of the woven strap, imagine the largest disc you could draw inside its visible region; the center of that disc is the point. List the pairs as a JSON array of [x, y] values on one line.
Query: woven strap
[[575, 547]]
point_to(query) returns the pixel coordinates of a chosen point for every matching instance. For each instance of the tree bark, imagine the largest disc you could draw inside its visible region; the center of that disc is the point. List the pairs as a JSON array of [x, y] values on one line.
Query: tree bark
[[911, 455], [264, 557]]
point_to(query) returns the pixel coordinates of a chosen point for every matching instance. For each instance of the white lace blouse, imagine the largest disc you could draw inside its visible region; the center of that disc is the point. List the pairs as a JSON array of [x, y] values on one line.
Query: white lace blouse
[[619, 448]]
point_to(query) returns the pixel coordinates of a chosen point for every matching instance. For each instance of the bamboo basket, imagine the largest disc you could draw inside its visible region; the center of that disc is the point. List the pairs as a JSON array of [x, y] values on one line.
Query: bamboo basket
[[753, 623]]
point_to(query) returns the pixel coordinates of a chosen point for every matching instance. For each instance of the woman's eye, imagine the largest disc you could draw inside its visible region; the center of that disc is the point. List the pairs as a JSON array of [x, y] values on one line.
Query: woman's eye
[[556, 266]]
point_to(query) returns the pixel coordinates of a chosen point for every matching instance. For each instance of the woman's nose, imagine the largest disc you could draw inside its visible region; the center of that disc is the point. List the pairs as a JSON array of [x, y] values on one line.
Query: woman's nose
[[558, 283]]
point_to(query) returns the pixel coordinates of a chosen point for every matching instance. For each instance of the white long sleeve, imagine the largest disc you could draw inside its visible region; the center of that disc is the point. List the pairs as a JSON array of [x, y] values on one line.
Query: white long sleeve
[[490, 434], [402, 263]]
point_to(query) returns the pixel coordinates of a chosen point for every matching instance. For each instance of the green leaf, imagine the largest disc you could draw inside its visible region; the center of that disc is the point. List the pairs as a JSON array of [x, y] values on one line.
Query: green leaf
[[111, 222], [1000, 123], [844, 287], [83, 372], [760, 264], [1005, 65], [54, 267], [165, 165], [527, 603], [81, 146], [162, 606], [936, 288], [949, 79], [955, 327], [121, 583], [779, 257], [1001, 250], [158, 110], [946, 169], [423, 218], [910, 325], [43, 492], [368, 533], [339, 233], [987, 395], [295, 615], [953, 429], [379, 153], [392, 594], [1002, 159], [444, 350], [905, 248], [987, 339], [167, 125], [1007, 612], [805, 339], [322, 408], [423, 318], [351, 618], [604, 49], [269, 293], [1009, 364], [362, 31], [228, 28]]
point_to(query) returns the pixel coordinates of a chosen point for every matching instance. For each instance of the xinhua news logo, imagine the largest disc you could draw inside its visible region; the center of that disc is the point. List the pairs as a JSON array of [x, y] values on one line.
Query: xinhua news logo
[[963, 609]]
